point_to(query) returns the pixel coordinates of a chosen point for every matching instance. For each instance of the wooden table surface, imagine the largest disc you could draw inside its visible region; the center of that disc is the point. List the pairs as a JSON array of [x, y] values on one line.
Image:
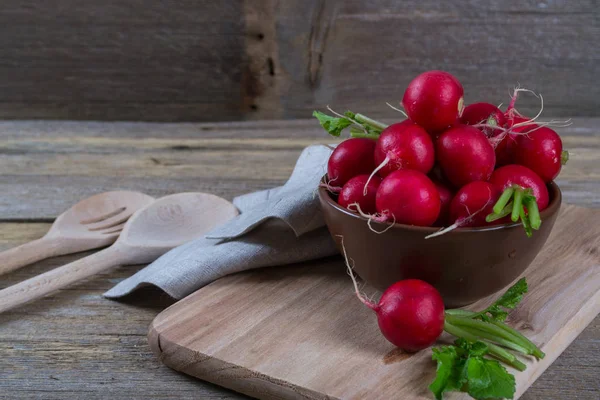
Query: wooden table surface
[[75, 344]]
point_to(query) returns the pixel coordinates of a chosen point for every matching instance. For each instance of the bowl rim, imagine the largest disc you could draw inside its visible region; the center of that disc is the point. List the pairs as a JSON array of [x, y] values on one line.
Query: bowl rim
[[554, 193]]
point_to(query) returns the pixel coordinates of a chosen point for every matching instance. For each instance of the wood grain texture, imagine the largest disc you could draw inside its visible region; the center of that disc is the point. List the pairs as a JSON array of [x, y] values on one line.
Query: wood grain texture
[[55, 164], [76, 344], [300, 333], [248, 59]]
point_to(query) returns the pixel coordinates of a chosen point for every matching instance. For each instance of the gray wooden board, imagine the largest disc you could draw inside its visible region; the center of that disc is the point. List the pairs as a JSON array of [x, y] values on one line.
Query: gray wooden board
[[265, 59], [75, 344]]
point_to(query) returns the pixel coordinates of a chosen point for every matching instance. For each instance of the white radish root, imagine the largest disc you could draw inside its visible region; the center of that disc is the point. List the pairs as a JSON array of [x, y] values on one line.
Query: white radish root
[[373, 217], [397, 109], [461, 221], [383, 164], [350, 269]]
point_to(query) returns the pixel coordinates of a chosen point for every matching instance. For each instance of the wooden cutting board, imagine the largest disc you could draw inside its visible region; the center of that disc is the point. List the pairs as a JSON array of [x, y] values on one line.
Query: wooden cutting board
[[299, 333]]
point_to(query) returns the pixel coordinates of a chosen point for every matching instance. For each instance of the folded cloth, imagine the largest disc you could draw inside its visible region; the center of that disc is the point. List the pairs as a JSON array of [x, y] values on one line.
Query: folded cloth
[[279, 226]]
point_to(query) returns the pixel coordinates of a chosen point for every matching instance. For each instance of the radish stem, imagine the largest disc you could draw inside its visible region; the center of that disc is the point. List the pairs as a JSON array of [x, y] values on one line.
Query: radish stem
[[359, 133], [517, 205], [494, 350], [503, 213], [537, 352], [371, 122], [564, 157], [525, 221], [501, 341], [503, 200], [533, 212], [492, 332], [522, 339]]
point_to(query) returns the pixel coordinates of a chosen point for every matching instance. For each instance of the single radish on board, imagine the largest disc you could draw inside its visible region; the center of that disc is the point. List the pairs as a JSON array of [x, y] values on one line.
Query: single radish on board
[[472, 203], [350, 158], [434, 100], [465, 155], [352, 194], [540, 149], [446, 196], [408, 197], [410, 314], [404, 145]]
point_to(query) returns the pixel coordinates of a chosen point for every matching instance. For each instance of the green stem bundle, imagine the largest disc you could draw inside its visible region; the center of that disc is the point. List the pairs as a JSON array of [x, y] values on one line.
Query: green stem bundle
[[522, 207]]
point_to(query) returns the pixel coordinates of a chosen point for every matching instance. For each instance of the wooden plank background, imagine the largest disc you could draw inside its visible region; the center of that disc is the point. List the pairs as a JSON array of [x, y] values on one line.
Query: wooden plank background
[[203, 60]]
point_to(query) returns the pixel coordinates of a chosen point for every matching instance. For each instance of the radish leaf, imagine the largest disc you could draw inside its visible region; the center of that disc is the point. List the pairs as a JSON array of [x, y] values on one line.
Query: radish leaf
[[450, 368], [333, 125], [488, 379], [463, 368], [508, 300]]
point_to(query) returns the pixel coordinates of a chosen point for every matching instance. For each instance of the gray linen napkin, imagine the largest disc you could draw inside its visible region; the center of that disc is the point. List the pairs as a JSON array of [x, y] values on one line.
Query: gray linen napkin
[[278, 226]]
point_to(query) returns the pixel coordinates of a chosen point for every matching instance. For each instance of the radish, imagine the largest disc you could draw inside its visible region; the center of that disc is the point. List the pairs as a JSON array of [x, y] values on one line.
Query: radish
[[525, 194], [541, 151], [408, 197], [472, 203], [482, 113], [465, 155], [410, 314], [509, 175], [350, 158], [506, 142], [434, 100], [404, 145], [446, 196], [352, 194]]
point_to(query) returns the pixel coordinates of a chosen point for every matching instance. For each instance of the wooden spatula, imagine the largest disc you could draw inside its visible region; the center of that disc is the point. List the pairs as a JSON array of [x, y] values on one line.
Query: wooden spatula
[[148, 234], [90, 224]]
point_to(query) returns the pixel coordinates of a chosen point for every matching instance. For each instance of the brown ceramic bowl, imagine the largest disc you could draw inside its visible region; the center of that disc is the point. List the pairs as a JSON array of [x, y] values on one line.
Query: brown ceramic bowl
[[465, 265]]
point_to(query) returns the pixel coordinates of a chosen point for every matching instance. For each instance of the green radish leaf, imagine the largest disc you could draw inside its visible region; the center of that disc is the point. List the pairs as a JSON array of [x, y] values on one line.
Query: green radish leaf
[[450, 371], [509, 300], [463, 368], [333, 125], [488, 379]]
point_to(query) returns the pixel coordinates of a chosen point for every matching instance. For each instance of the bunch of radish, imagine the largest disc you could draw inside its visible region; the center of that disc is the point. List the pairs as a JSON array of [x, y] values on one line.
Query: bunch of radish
[[445, 165]]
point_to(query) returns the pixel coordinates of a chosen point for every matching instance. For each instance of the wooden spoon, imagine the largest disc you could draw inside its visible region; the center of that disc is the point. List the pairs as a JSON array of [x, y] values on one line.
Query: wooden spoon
[[90, 224], [150, 232]]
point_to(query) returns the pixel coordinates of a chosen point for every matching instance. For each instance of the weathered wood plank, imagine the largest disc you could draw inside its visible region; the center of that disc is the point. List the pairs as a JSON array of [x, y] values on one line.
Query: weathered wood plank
[[234, 59], [47, 166]]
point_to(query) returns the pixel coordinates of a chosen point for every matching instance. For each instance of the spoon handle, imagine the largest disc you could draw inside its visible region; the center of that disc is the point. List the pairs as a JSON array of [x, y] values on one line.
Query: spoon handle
[[60, 277], [29, 253]]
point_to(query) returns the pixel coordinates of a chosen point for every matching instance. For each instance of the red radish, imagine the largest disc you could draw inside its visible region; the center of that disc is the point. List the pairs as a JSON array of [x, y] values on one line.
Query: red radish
[[472, 203], [408, 197], [446, 196], [404, 146], [465, 155], [434, 100], [410, 313], [350, 158], [505, 177], [483, 113], [540, 150], [480, 113], [352, 193], [506, 142]]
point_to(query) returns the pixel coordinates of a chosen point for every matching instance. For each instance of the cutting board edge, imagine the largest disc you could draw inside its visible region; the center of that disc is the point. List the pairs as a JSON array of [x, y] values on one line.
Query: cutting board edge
[[560, 342], [221, 373]]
